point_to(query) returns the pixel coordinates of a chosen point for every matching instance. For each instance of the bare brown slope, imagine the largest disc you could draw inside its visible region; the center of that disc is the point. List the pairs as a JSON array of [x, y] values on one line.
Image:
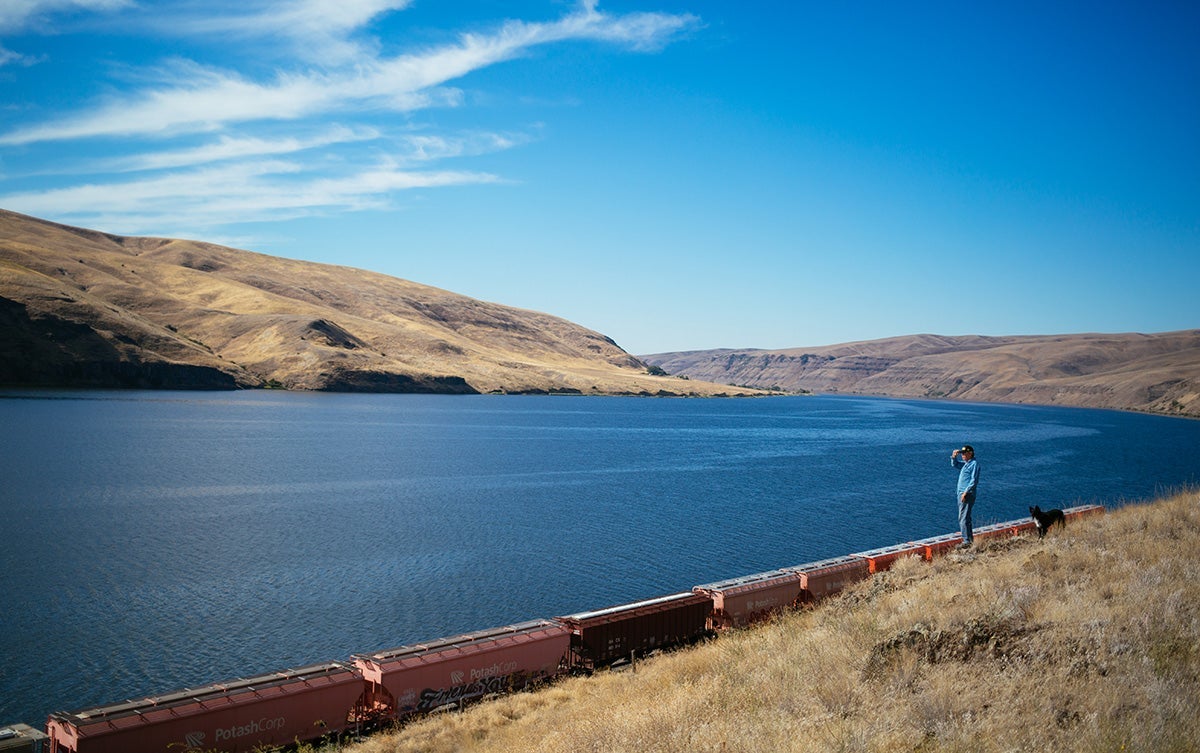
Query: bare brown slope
[[1159, 373], [78, 307]]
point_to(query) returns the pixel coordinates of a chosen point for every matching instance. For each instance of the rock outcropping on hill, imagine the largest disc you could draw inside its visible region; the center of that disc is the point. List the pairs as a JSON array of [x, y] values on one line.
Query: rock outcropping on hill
[[83, 308], [1159, 373]]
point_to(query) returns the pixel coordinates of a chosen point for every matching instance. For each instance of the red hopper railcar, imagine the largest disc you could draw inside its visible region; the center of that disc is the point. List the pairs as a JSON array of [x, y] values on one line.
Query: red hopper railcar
[[826, 577], [1081, 511], [884, 557], [423, 677], [741, 601], [938, 545], [273, 709], [608, 635]]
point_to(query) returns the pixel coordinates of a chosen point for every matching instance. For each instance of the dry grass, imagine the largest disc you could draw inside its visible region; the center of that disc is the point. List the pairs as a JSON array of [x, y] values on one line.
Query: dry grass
[[258, 320], [1087, 641]]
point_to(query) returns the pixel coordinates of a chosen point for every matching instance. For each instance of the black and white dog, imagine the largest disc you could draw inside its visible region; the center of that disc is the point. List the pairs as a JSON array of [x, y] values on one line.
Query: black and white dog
[[1043, 519]]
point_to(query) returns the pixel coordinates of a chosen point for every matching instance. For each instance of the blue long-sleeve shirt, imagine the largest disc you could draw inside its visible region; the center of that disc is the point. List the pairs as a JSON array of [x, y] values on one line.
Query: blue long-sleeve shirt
[[968, 476]]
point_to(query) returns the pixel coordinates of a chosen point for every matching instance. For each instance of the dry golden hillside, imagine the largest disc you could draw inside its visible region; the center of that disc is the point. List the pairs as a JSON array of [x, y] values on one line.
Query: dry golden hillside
[[1159, 373], [1086, 641], [83, 308]]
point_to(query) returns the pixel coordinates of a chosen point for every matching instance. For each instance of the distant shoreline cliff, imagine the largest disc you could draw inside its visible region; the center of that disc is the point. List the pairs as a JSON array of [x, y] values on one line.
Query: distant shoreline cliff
[[1155, 373]]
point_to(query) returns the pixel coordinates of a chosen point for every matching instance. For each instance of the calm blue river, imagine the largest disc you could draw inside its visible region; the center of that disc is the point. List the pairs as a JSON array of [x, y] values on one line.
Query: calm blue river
[[158, 540]]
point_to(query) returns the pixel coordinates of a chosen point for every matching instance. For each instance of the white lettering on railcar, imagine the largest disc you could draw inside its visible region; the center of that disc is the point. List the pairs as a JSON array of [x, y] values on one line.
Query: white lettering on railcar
[[497, 669], [768, 603], [254, 727]]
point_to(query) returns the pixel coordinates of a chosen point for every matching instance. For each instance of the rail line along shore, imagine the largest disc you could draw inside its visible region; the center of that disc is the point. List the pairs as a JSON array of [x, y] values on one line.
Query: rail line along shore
[[338, 699]]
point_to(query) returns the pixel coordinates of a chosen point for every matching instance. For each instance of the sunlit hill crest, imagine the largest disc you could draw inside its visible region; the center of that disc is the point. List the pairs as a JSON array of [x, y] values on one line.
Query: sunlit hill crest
[[84, 308]]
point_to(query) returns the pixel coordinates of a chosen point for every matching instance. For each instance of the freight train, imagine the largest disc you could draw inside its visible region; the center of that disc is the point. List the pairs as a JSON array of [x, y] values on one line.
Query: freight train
[[330, 700]]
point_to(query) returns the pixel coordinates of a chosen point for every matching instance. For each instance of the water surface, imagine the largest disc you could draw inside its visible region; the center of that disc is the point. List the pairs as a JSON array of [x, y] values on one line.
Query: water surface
[[158, 540]]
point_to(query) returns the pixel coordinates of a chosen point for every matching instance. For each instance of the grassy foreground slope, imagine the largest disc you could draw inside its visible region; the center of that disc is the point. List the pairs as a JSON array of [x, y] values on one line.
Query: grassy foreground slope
[[1086, 641]]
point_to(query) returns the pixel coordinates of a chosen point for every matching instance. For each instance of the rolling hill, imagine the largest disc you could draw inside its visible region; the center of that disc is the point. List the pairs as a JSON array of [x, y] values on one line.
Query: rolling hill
[[88, 309], [1159, 373]]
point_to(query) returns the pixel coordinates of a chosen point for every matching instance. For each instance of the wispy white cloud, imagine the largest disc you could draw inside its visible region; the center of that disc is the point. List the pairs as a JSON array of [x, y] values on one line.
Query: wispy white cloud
[[8, 56], [215, 145], [317, 30], [232, 147], [19, 14], [406, 150], [205, 100], [302, 18], [433, 147], [200, 98], [240, 192]]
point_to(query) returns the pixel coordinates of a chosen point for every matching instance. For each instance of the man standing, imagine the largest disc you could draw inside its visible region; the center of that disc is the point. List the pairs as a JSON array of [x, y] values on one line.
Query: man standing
[[968, 482]]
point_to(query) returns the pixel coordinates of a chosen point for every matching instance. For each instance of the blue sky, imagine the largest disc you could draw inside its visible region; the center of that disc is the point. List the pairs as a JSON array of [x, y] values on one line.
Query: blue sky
[[677, 175]]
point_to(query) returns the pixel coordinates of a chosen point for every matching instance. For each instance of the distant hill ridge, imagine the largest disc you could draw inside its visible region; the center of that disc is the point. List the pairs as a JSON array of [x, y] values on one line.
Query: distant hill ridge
[[84, 308], [1159, 373]]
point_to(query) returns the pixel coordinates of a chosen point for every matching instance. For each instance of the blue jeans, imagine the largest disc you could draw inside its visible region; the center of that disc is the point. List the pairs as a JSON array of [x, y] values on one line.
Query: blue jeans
[[964, 518]]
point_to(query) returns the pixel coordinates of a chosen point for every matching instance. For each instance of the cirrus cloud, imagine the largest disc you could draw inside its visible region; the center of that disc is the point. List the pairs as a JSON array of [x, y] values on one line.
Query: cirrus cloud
[[196, 98], [240, 137]]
